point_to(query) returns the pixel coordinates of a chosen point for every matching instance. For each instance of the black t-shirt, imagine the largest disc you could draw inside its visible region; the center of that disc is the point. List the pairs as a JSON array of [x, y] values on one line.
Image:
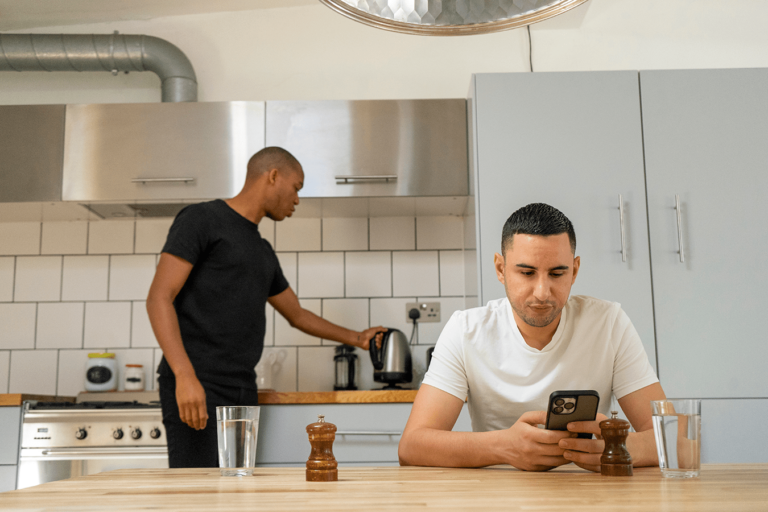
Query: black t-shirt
[[221, 307]]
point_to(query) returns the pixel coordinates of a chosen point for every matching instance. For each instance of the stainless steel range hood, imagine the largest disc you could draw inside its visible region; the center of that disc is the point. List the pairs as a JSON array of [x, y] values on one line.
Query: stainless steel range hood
[[151, 159]]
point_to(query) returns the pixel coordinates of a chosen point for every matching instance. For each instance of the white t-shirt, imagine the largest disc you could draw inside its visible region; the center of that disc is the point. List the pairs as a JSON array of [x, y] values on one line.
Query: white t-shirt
[[482, 356]]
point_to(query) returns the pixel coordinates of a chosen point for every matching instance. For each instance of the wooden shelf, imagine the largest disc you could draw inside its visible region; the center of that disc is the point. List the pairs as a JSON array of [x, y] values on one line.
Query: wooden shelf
[[16, 399]]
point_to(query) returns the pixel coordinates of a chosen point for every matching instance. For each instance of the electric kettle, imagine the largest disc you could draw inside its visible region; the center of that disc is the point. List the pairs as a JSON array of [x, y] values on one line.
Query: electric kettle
[[392, 363]]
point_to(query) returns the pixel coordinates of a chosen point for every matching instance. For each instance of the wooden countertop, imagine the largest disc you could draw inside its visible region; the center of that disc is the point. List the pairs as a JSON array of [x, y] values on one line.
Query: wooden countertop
[[16, 399], [338, 397], [739, 487]]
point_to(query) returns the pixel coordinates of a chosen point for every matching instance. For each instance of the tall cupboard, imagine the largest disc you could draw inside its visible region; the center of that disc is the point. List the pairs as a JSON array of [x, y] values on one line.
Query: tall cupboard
[[661, 173]]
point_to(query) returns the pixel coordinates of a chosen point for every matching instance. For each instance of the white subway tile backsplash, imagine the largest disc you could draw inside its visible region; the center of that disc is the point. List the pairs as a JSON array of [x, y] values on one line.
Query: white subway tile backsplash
[[321, 274], [297, 234], [287, 335], [316, 369], [368, 274], [142, 356], [289, 265], [151, 235], [85, 278], [443, 232], [7, 272], [452, 273], [18, 325], [345, 234], [267, 230], [284, 368], [415, 273], [18, 238], [391, 313], [33, 372], [65, 237], [71, 379], [349, 313], [60, 325], [141, 330], [393, 233], [5, 370], [130, 276], [107, 324], [111, 237], [38, 278], [429, 332]]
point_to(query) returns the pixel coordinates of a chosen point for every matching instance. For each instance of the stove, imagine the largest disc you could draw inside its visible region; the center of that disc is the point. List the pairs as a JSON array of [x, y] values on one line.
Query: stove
[[63, 440]]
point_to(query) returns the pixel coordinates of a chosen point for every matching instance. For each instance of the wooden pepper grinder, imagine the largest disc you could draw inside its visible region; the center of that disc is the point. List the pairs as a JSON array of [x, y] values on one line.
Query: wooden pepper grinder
[[615, 460], [321, 466]]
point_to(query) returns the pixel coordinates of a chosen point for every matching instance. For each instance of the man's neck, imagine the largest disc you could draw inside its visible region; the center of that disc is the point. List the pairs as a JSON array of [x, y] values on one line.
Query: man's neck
[[537, 337], [247, 208]]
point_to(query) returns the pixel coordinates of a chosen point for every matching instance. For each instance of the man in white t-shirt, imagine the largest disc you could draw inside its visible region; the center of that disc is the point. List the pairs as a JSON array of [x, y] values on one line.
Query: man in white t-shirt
[[507, 357]]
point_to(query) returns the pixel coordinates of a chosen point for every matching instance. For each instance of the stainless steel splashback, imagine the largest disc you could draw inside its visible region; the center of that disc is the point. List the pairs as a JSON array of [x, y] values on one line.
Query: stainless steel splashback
[[375, 148], [161, 152]]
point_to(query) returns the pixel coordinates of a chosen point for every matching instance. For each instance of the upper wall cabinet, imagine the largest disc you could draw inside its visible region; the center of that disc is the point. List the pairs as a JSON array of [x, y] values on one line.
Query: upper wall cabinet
[[31, 149], [706, 157], [166, 151], [574, 141], [374, 148]]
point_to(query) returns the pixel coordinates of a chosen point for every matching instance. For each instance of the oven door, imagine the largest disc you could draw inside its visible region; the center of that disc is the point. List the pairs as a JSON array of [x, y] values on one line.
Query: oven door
[[38, 466]]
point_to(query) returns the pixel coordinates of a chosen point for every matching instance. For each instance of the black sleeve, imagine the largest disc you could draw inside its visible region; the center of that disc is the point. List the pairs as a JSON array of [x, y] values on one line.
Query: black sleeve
[[279, 282], [188, 236]]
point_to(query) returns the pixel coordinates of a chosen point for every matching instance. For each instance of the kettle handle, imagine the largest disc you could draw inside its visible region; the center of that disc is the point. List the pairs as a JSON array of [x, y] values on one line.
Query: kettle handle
[[377, 354]]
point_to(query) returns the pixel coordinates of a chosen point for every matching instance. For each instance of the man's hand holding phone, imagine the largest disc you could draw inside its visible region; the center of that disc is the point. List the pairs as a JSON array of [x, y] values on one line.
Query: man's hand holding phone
[[585, 453], [530, 448]]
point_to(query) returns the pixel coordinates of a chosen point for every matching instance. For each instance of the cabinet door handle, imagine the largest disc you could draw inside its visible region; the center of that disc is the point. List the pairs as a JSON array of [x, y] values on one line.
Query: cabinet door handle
[[621, 227], [364, 433], [162, 180], [351, 178], [680, 229]]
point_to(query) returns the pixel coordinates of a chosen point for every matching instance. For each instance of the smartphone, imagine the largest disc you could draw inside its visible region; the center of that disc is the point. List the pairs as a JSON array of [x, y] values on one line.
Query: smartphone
[[571, 405]]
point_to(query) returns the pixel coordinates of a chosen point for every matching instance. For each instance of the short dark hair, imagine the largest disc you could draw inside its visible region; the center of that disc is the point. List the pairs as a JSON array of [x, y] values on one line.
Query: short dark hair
[[270, 158], [536, 219]]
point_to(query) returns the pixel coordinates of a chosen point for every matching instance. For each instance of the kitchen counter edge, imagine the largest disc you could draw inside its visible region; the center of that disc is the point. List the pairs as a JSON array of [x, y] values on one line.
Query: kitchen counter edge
[[338, 397]]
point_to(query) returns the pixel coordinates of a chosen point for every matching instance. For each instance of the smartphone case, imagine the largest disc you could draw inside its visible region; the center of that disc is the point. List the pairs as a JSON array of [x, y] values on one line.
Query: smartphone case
[[585, 409]]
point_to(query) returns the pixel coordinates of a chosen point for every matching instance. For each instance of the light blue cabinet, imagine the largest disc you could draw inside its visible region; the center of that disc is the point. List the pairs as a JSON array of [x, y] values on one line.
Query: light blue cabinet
[[10, 428], [705, 140], [574, 141], [373, 432]]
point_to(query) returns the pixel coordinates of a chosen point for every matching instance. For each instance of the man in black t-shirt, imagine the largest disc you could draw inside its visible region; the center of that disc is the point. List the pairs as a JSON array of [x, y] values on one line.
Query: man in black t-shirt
[[207, 305]]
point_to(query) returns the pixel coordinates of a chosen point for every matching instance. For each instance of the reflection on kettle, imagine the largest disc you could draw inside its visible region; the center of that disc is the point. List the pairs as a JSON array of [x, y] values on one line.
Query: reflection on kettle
[[392, 363]]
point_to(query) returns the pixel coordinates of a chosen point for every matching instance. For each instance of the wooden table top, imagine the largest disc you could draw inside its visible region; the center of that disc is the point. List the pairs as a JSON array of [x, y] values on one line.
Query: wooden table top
[[742, 487]]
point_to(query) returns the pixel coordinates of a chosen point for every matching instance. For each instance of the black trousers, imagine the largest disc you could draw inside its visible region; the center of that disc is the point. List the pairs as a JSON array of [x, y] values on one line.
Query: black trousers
[[190, 448]]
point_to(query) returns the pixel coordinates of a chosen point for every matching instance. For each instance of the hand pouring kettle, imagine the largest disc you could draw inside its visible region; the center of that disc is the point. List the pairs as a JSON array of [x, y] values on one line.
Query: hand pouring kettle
[[392, 362]]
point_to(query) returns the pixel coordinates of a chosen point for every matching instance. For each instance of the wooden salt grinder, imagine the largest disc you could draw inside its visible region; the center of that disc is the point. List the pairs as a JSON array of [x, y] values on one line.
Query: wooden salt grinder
[[615, 460], [321, 466]]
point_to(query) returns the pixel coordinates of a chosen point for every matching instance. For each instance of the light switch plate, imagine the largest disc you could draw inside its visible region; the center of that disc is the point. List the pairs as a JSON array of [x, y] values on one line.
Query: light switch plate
[[429, 311]]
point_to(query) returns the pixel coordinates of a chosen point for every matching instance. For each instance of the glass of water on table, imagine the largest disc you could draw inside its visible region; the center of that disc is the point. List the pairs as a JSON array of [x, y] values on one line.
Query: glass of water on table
[[677, 427], [237, 429]]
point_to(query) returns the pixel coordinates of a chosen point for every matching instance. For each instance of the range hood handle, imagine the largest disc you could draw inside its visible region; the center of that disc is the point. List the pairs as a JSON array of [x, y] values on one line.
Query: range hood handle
[[351, 178], [162, 180]]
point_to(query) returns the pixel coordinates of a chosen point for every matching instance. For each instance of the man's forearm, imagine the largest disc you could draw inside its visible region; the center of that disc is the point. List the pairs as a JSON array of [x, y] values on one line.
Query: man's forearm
[[314, 325], [165, 325], [642, 448], [431, 447]]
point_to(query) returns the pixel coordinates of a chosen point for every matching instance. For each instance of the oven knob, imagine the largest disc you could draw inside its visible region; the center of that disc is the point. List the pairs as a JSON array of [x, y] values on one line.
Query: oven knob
[[81, 434], [154, 433], [136, 433], [118, 434]]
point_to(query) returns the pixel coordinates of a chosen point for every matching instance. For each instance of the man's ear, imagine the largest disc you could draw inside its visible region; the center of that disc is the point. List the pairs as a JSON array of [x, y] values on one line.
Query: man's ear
[[576, 265], [272, 176], [498, 263]]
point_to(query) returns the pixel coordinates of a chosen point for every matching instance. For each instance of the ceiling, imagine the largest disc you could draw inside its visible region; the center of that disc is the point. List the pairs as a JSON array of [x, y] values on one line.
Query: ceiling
[[28, 14]]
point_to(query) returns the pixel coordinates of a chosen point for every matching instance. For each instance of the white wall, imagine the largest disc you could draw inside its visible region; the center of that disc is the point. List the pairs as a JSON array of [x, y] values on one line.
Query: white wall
[[313, 53]]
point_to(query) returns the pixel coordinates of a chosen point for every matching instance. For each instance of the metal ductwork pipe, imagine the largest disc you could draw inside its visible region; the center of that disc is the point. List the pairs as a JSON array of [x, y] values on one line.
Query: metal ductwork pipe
[[96, 52]]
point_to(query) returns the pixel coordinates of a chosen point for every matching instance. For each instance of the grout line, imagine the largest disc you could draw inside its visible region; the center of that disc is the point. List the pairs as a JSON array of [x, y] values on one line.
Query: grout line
[[56, 382], [34, 334]]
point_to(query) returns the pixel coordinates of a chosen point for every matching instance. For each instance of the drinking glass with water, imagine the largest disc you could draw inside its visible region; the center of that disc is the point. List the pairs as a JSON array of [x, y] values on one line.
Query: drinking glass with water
[[677, 427], [237, 429]]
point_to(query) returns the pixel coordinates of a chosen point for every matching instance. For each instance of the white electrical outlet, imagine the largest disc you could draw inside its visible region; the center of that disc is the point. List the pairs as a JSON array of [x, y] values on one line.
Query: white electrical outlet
[[428, 311]]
